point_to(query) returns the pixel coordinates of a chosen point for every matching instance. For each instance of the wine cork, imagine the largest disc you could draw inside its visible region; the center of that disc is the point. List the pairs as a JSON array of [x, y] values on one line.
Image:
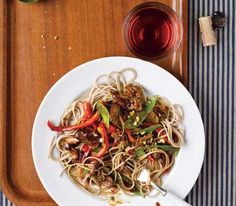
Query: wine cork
[[207, 32]]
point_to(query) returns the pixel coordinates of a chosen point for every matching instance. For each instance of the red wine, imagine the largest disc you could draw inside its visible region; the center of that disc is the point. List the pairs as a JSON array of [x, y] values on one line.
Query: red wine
[[152, 32]]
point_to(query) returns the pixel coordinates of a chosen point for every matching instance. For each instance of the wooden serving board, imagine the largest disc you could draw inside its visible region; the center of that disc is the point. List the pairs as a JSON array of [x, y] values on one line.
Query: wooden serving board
[[39, 43]]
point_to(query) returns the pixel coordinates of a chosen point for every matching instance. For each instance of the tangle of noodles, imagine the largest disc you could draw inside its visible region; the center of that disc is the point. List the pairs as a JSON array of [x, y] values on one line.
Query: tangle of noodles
[[129, 150]]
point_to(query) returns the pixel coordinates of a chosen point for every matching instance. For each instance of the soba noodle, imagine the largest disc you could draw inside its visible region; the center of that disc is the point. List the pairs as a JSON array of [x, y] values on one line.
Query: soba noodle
[[121, 164]]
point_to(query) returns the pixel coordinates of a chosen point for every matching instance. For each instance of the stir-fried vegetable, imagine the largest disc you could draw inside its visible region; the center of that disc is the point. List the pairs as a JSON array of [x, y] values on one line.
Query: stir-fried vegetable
[[105, 143], [149, 129], [74, 127], [96, 150], [86, 150], [168, 148], [112, 129], [137, 119], [164, 147], [87, 109], [130, 137], [139, 193], [86, 171], [139, 152], [88, 113], [104, 113]]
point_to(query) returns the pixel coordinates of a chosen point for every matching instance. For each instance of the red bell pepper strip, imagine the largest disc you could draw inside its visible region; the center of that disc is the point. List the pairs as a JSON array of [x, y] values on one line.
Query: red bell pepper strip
[[87, 109], [103, 132], [88, 113], [94, 126], [86, 149], [130, 137], [87, 123], [112, 129]]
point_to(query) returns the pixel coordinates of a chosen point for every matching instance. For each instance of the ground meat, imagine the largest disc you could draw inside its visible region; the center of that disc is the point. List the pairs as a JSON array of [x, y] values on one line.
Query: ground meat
[[161, 111], [158, 114], [117, 135], [120, 137], [135, 97], [115, 113], [134, 91], [152, 117], [131, 99], [89, 136], [120, 100], [136, 104], [108, 104]]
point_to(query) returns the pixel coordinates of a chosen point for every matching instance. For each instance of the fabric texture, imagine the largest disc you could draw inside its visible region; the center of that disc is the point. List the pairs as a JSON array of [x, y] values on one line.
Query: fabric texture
[[212, 83]]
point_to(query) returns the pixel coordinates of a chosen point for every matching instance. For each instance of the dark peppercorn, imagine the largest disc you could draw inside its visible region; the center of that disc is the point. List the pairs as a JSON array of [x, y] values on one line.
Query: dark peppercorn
[[218, 20]]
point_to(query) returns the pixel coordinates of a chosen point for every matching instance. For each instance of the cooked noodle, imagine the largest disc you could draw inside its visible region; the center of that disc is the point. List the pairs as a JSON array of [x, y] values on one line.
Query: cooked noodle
[[121, 164]]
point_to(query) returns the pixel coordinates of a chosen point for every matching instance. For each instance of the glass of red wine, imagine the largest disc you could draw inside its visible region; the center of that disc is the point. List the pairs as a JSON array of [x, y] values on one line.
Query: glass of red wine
[[152, 30]]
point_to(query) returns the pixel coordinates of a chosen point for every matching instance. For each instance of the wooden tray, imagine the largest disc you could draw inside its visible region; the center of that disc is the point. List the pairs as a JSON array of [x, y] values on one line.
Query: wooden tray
[[39, 43]]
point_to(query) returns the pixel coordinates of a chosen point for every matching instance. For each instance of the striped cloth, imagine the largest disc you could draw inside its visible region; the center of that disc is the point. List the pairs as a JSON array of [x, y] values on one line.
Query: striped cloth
[[212, 83]]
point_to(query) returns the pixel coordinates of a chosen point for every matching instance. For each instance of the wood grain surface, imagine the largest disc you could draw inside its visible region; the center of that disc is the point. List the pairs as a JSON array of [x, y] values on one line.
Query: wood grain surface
[[40, 42]]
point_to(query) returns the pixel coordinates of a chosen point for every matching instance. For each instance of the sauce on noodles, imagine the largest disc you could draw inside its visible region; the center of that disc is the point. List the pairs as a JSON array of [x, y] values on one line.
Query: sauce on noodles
[[108, 135]]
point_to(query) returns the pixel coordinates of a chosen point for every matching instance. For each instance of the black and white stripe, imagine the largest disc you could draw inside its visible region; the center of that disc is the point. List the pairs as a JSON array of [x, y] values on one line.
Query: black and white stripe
[[4, 201], [212, 82]]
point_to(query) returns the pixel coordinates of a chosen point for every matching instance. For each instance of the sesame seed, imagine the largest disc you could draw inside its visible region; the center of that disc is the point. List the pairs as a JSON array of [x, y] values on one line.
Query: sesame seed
[[55, 37], [42, 36], [44, 47], [69, 48]]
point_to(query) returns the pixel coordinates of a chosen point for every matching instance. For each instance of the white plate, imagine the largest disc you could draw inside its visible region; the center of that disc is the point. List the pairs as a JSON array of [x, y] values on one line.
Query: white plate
[[156, 80]]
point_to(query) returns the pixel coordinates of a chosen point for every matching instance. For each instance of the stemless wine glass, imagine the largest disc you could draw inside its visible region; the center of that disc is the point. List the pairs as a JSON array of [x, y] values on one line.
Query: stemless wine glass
[[152, 30]]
